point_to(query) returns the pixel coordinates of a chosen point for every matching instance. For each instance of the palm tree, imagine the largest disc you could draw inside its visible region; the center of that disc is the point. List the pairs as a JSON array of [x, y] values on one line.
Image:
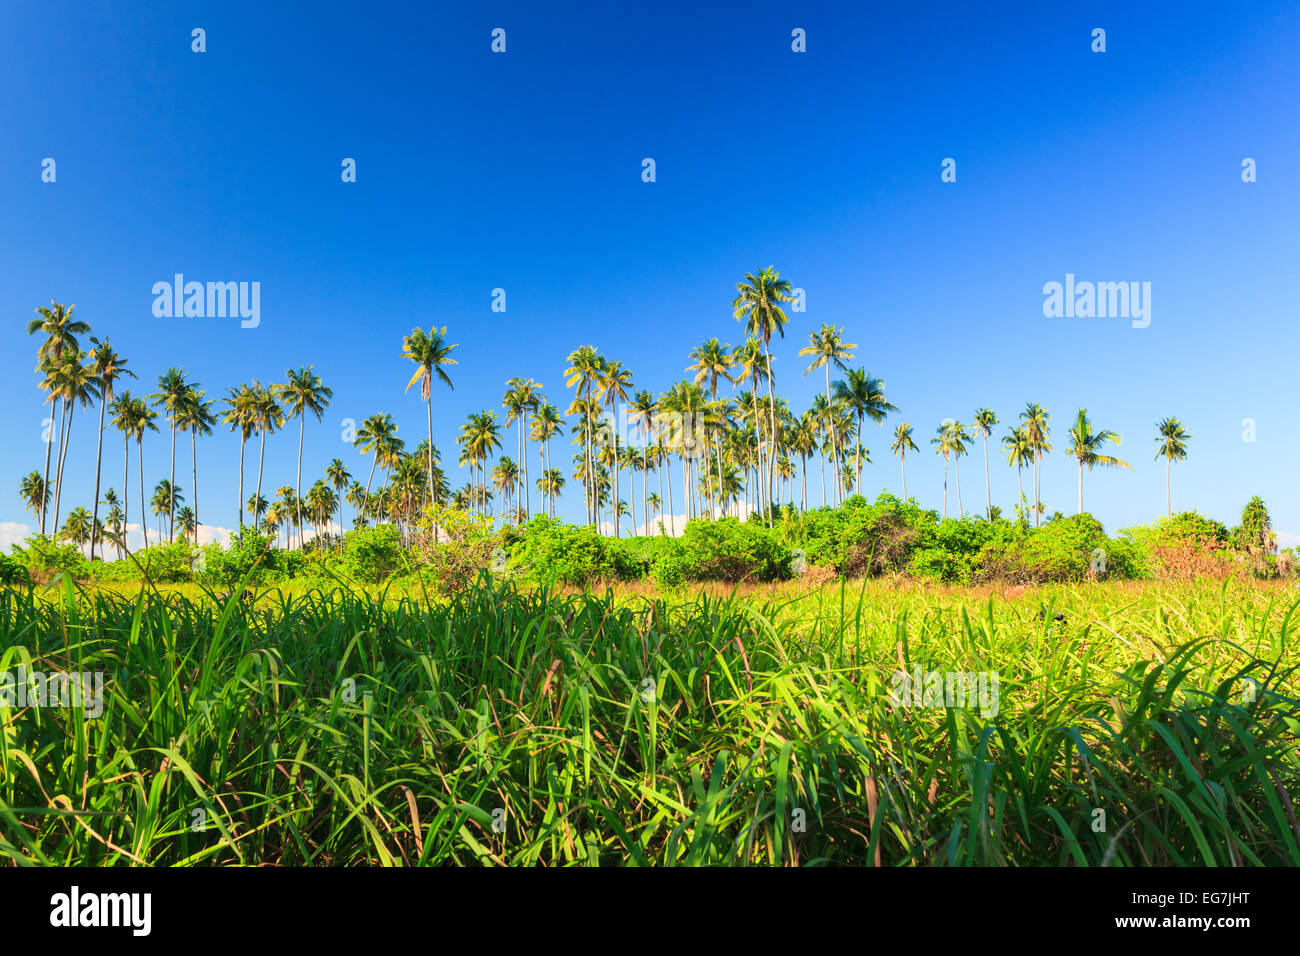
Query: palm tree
[[196, 418], [1035, 419], [753, 362], [337, 474], [712, 362], [950, 439], [546, 425], [985, 419], [78, 528], [656, 503], [614, 381], [1173, 446], [303, 393], [108, 366], [188, 521], [523, 397], [241, 416], [267, 417], [75, 383], [505, 479], [1084, 445], [865, 397], [35, 493], [375, 434], [165, 498], [583, 373], [258, 506], [1020, 452], [758, 304], [826, 348], [115, 520], [172, 389], [902, 445], [135, 417], [60, 331], [430, 353]]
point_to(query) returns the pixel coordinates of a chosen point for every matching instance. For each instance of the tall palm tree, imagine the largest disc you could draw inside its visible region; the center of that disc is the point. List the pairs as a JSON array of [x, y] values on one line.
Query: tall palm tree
[[35, 493], [583, 373], [60, 331], [752, 360], [712, 361], [1085, 444], [950, 439], [134, 418], [375, 434], [902, 445], [1035, 419], [258, 506], [546, 425], [302, 393], [172, 389], [758, 305], [241, 415], [108, 367], [1173, 446], [614, 381], [430, 353], [865, 397], [1020, 452], [196, 417], [826, 348], [985, 419], [267, 417], [73, 378], [337, 474], [78, 528], [166, 497], [115, 520]]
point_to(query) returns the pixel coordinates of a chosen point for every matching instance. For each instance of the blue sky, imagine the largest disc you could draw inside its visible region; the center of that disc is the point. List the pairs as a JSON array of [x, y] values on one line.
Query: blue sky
[[522, 171]]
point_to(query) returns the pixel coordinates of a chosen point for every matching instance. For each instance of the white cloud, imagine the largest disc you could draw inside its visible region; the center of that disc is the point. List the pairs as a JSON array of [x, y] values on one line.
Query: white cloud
[[11, 533], [1288, 539]]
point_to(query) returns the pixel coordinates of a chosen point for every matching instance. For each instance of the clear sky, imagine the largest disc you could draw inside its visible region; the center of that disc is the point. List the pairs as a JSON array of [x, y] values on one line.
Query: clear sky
[[522, 171]]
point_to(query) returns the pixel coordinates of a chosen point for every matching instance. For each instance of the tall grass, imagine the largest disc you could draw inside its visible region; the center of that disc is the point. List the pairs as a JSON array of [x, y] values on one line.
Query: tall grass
[[1135, 727]]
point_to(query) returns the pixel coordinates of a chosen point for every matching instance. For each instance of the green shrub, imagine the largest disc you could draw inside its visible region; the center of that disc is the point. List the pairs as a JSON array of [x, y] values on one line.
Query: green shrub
[[724, 550], [546, 551], [43, 557]]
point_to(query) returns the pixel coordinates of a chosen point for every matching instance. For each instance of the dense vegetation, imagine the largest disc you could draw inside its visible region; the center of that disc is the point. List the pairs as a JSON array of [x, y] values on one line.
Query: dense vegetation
[[448, 549], [1127, 727]]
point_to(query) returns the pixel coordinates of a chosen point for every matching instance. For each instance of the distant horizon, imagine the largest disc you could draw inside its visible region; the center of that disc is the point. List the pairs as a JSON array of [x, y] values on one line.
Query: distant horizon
[[924, 180]]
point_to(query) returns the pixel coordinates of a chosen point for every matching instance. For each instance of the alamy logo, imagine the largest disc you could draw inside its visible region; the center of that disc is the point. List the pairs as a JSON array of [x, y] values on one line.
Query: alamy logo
[[1104, 300], [212, 300], [22, 688], [75, 908]]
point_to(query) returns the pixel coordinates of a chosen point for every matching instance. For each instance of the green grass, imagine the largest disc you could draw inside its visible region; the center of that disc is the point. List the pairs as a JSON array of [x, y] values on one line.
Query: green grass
[[768, 736]]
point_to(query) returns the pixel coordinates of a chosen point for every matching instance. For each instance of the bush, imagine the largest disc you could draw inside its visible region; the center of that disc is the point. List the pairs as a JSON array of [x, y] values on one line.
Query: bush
[[546, 551], [12, 571], [373, 554], [43, 558], [724, 550], [1073, 548], [456, 547]]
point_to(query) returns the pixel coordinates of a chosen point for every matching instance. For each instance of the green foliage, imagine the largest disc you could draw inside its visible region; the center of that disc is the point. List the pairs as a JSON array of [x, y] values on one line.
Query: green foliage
[[12, 571], [723, 550], [43, 557], [373, 554], [552, 552]]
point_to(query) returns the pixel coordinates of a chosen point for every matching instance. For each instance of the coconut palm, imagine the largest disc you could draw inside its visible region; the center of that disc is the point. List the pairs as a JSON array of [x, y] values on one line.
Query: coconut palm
[[903, 443], [108, 367], [35, 493], [758, 305], [60, 331], [268, 416], [547, 423], [171, 394], [77, 527], [1173, 447], [950, 439], [114, 520], [375, 434], [614, 381], [1085, 444], [583, 374], [826, 348], [196, 417], [133, 417], [1035, 419], [864, 396], [258, 506], [1020, 452], [166, 497], [241, 415], [188, 521], [73, 379], [337, 474], [430, 353], [302, 393], [985, 419]]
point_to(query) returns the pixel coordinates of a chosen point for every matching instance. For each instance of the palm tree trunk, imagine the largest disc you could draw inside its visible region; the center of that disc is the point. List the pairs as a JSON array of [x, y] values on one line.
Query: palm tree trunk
[[63, 457], [945, 486], [45, 482], [297, 491], [903, 471], [857, 487], [243, 438], [956, 466], [171, 504], [261, 460], [1080, 486], [988, 492], [99, 461], [126, 490], [194, 466], [1169, 501]]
